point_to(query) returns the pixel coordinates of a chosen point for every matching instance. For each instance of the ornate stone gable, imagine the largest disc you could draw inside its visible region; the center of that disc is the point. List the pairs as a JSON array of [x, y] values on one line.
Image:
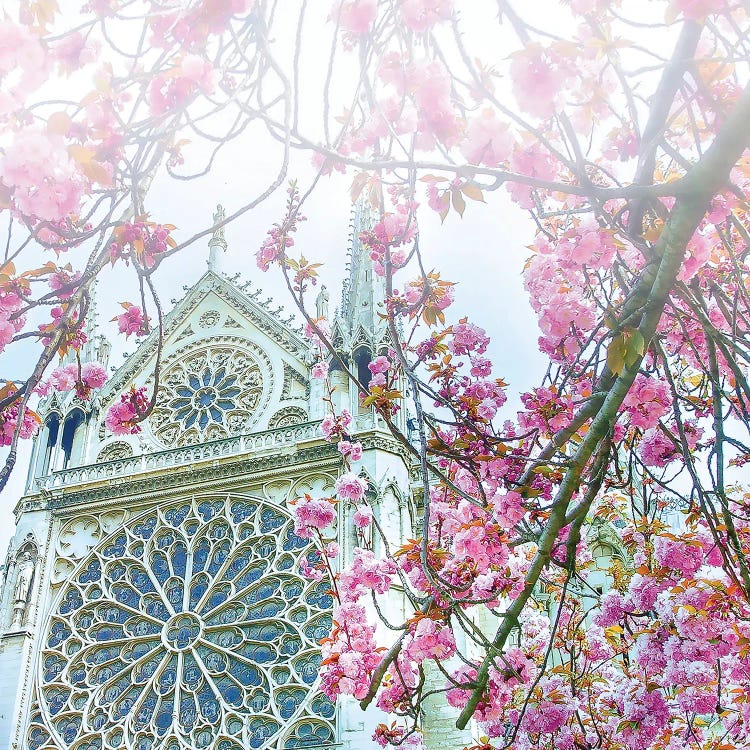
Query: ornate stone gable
[[227, 365], [177, 327]]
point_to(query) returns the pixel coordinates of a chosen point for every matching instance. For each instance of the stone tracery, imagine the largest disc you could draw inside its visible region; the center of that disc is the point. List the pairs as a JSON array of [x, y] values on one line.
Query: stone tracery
[[210, 392], [187, 628]]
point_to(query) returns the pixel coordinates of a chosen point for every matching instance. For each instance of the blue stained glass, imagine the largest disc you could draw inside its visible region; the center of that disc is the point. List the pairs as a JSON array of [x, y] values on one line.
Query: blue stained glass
[[117, 548], [166, 681], [247, 675], [219, 556], [174, 591], [218, 531], [292, 541], [204, 399], [197, 589], [319, 628], [179, 559], [107, 633], [242, 510], [191, 675], [270, 520], [207, 510], [176, 516], [146, 711], [58, 634], [290, 646], [145, 529], [266, 610], [292, 589], [213, 660], [156, 608], [217, 598], [201, 554], [56, 700], [160, 566], [124, 594], [68, 728], [209, 708], [98, 720], [260, 730], [260, 654], [37, 737], [307, 667], [73, 600], [188, 713], [322, 706], [92, 572], [164, 717], [230, 691], [161, 672], [141, 580], [78, 676]]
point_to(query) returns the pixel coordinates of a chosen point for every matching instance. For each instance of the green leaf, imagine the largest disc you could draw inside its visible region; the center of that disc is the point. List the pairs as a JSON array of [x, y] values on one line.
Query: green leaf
[[635, 347], [616, 354]]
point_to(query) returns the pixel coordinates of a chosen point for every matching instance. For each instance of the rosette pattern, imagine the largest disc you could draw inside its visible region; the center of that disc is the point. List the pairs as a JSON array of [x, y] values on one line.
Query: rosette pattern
[[187, 628]]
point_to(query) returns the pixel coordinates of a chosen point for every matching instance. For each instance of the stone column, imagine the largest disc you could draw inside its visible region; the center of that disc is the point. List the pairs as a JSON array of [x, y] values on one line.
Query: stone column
[[438, 718]]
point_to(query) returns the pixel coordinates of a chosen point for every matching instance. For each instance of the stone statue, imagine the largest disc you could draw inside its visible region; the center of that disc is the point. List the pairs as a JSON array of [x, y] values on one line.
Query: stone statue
[[321, 303], [217, 241], [23, 580], [22, 589]]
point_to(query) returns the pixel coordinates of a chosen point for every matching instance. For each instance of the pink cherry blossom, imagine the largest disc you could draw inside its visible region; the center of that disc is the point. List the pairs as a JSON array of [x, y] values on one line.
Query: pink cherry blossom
[[132, 321], [312, 513], [351, 487]]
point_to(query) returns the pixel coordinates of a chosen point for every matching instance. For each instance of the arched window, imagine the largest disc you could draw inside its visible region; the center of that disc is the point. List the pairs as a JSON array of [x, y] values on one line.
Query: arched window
[[362, 358], [71, 435], [47, 443], [189, 626]]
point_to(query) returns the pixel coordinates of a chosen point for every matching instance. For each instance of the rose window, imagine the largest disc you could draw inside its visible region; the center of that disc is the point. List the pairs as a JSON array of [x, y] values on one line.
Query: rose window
[[209, 393], [188, 628], [208, 398]]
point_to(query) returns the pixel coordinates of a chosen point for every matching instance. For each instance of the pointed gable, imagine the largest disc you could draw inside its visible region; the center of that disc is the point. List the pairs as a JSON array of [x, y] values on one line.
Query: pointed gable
[[227, 366]]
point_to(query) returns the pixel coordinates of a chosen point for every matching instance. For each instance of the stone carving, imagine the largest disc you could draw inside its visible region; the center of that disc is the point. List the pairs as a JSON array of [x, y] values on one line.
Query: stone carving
[[295, 385], [208, 393], [209, 319], [114, 451], [287, 416], [22, 588], [321, 303], [189, 626], [78, 536]]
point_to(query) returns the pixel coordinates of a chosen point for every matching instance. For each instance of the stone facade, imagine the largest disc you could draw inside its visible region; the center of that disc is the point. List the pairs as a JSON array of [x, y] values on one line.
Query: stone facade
[[151, 598]]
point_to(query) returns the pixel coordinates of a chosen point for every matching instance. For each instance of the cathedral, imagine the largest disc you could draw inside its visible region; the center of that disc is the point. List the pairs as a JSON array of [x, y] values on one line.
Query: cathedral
[[152, 598]]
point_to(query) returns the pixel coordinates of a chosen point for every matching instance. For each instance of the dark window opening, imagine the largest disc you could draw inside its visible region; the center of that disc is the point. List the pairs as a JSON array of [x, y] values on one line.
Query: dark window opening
[[362, 358], [53, 429], [72, 422]]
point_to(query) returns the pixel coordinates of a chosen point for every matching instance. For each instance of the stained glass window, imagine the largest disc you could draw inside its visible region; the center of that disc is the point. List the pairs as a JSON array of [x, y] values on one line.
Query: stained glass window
[[209, 393], [187, 628]]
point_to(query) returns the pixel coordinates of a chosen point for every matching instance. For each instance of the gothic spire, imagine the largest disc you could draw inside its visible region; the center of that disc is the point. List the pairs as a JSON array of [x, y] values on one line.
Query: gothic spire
[[364, 290]]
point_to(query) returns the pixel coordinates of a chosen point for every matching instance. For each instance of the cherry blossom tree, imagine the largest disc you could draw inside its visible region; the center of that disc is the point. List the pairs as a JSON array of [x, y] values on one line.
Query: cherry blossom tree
[[621, 129]]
